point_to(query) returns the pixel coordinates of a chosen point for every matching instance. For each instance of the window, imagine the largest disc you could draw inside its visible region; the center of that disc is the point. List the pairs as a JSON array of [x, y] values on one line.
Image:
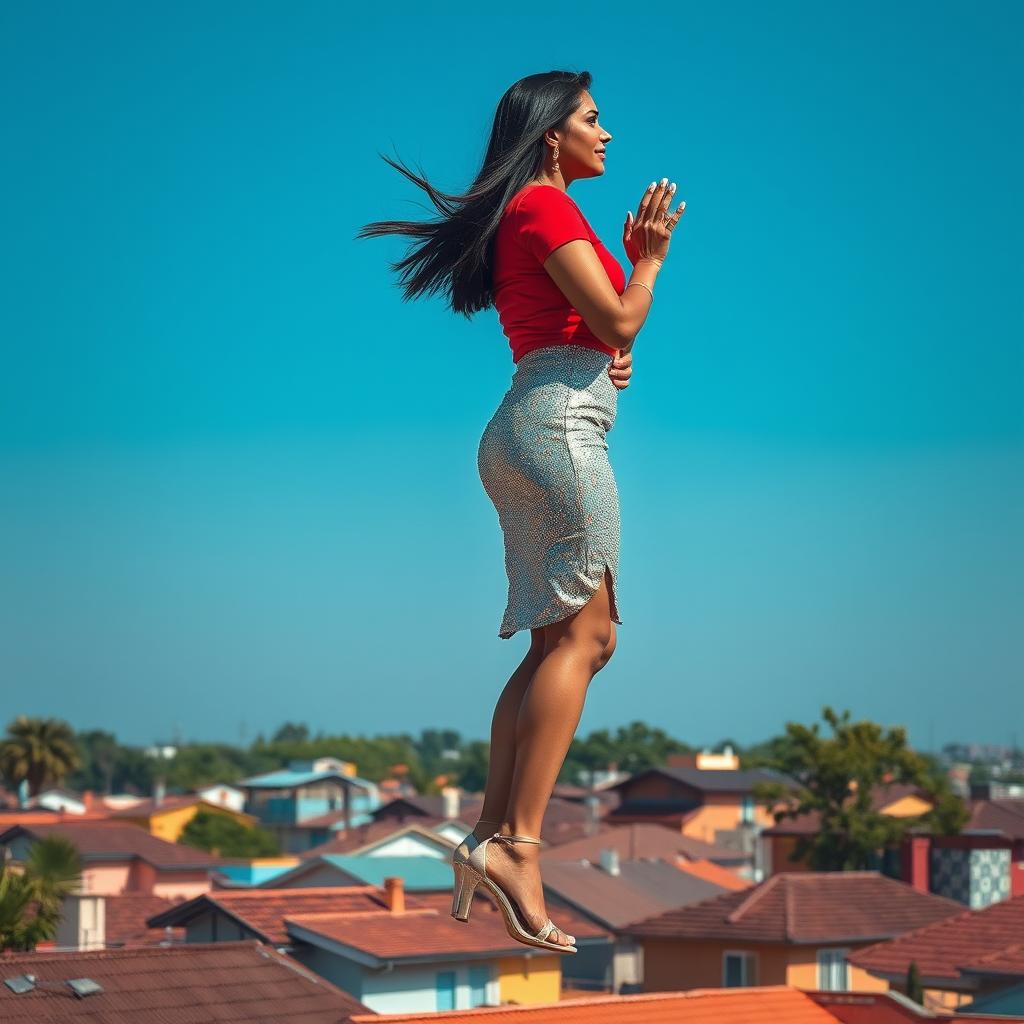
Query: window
[[478, 979], [833, 973], [446, 990], [738, 969], [747, 809]]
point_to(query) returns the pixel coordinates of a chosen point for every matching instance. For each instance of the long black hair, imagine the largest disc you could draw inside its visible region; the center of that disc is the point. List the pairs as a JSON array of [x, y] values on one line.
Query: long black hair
[[455, 252]]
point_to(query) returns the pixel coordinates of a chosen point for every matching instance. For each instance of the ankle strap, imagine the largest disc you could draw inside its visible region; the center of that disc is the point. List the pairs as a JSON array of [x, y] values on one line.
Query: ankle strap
[[515, 839], [490, 821]]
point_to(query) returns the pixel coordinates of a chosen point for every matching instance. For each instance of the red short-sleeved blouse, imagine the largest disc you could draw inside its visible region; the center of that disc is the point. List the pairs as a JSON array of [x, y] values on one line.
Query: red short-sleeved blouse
[[531, 308]]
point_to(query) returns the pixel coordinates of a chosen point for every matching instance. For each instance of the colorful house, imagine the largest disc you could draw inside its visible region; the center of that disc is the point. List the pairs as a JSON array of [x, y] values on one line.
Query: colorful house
[[120, 858], [792, 929], [973, 957], [303, 804], [388, 948], [166, 816]]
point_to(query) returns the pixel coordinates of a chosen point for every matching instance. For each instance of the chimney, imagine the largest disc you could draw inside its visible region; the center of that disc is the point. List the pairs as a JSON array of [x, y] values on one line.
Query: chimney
[[610, 861], [451, 801], [83, 922], [158, 792], [394, 894]]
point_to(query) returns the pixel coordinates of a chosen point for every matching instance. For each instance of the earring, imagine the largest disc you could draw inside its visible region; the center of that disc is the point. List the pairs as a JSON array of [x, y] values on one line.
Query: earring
[[555, 165]]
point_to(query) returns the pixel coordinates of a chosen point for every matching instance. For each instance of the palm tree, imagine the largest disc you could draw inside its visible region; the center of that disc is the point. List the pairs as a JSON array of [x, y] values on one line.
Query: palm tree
[[52, 871], [41, 750]]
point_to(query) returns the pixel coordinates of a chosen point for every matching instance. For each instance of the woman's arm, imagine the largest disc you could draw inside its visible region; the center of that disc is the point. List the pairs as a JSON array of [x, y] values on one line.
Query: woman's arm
[[615, 319]]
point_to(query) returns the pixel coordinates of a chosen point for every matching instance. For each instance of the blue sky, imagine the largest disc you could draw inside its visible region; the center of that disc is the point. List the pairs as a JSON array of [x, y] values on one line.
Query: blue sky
[[237, 472]]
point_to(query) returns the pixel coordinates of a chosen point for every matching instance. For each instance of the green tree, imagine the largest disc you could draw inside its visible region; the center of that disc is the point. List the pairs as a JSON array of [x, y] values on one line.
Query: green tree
[[41, 750], [100, 752], [291, 733], [915, 990], [227, 837], [836, 776], [31, 900]]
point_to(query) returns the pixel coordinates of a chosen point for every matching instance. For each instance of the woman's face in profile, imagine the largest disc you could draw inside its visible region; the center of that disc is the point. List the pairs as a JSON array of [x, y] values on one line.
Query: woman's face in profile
[[580, 152]]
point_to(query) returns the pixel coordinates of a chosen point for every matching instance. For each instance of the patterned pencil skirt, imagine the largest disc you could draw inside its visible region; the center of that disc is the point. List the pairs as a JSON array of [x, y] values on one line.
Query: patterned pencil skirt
[[543, 461]]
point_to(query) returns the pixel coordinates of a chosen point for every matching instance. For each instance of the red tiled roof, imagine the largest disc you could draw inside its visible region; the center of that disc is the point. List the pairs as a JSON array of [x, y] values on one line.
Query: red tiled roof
[[192, 984], [640, 840], [1006, 816], [805, 907], [766, 1004], [431, 931], [262, 911], [106, 840], [126, 917], [889, 1008], [941, 949]]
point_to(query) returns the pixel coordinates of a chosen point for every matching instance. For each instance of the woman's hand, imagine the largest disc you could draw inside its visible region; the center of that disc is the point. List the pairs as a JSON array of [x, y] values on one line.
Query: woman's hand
[[647, 235], [620, 369]]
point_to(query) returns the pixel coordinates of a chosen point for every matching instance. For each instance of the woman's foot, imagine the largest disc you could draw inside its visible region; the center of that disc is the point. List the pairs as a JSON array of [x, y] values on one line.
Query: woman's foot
[[516, 868]]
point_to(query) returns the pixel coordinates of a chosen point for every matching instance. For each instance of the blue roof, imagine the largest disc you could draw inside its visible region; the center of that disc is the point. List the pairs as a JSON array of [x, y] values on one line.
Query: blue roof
[[417, 872], [284, 778]]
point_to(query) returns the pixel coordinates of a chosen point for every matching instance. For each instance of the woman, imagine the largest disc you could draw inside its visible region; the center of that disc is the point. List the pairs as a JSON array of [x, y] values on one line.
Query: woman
[[517, 242]]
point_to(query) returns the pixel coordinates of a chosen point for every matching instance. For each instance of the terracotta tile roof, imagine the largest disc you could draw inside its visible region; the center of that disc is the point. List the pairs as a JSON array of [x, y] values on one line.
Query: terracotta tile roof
[[107, 840], [172, 801], [711, 872], [192, 984], [942, 948], [262, 911], [1006, 816], [126, 917], [563, 820], [640, 840], [641, 889], [766, 1004], [429, 932], [890, 1008], [806, 907]]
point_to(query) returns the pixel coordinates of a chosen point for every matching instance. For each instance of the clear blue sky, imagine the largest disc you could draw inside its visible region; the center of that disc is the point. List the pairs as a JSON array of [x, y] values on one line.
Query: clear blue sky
[[237, 472]]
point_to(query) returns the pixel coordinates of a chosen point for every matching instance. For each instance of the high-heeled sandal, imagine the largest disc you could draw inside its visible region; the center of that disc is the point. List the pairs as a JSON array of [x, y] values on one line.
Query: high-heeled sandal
[[471, 871], [467, 844]]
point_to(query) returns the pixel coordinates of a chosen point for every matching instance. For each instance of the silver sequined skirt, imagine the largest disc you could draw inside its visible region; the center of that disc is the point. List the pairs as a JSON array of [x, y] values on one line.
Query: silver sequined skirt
[[543, 461]]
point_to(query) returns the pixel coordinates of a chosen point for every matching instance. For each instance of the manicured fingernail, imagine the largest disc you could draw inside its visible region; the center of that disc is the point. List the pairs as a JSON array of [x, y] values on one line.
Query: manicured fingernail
[[664, 181], [672, 187], [653, 185]]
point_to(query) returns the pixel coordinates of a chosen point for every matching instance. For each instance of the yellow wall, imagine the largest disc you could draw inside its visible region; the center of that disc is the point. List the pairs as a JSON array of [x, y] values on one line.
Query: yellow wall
[[673, 964], [907, 807], [169, 824], [530, 980]]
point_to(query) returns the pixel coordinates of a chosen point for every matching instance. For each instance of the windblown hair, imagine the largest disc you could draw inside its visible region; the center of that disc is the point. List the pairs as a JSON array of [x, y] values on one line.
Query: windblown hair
[[455, 254]]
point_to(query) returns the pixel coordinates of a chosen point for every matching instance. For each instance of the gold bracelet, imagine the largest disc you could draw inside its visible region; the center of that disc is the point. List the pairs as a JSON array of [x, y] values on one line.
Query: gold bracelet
[[642, 285]]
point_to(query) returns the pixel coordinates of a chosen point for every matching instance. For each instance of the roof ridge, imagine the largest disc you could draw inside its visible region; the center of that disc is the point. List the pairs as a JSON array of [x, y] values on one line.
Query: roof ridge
[[346, 914], [324, 890], [128, 951], [754, 898]]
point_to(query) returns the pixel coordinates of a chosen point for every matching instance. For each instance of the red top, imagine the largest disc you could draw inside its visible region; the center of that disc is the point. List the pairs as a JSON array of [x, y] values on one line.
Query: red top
[[531, 308]]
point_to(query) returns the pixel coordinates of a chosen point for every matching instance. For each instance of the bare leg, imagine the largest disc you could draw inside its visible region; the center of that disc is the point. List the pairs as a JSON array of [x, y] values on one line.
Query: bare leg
[[503, 739], [575, 649]]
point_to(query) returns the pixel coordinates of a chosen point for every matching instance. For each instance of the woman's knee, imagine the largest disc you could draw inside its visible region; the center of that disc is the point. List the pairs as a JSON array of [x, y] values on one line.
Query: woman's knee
[[609, 648]]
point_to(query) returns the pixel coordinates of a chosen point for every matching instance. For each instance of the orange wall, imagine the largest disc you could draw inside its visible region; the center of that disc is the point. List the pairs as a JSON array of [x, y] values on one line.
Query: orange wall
[[722, 811], [673, 964]]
